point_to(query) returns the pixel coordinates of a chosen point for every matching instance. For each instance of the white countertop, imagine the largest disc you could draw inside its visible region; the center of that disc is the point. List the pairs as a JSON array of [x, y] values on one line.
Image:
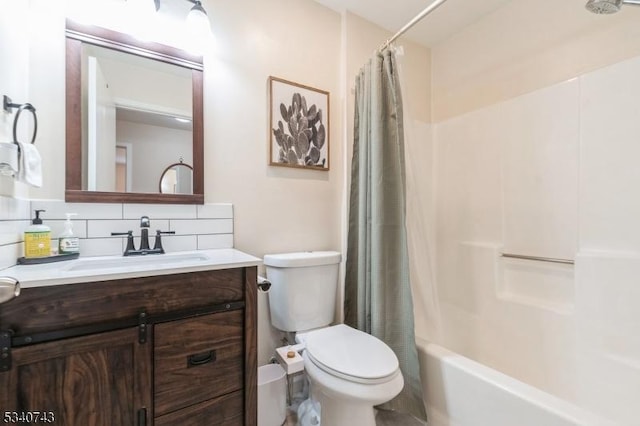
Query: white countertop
[[91, 269]]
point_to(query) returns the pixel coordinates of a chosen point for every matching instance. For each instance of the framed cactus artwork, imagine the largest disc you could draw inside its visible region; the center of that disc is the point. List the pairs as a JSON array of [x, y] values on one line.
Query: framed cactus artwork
[[298, 125]]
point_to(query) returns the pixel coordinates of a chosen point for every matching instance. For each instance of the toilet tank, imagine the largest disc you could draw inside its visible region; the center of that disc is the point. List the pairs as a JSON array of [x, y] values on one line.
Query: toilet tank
[[303, 289]]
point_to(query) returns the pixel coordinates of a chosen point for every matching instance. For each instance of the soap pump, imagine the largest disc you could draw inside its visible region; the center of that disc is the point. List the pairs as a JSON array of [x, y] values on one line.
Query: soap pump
[[68, 243], [37, 238]]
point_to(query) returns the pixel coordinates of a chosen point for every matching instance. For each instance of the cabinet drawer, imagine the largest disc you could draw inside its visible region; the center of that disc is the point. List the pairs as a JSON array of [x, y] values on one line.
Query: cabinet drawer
[[197, 359], [226, 410], [57, 307]]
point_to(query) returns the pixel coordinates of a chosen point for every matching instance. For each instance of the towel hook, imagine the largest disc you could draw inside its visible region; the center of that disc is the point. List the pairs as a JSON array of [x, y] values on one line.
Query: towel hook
[[7, 105]]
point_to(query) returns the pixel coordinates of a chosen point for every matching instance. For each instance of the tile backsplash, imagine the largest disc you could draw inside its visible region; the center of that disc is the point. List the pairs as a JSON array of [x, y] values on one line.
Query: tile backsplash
[[14, 218], [202, 227]]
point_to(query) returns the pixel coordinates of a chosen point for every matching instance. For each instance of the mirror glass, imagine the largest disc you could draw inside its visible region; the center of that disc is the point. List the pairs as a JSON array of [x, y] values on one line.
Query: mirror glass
[[132, 108], [177, 179], [136, 119]]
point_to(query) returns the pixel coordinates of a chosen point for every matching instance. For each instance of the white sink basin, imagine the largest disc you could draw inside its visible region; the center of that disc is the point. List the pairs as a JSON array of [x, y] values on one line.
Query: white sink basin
[[163, 260]]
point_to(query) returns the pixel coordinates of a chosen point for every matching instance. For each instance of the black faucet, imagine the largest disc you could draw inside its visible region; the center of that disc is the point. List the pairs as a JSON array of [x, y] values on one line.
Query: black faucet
[[157, 247], [130, 246], [145, 223]]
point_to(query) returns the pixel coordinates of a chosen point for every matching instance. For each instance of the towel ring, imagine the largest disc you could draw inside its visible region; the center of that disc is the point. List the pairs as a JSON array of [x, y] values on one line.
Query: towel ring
[[7, 105], [21, 108]]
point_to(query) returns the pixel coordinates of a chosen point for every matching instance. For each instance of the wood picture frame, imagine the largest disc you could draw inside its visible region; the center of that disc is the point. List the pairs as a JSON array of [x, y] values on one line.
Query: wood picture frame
[[298, 125]]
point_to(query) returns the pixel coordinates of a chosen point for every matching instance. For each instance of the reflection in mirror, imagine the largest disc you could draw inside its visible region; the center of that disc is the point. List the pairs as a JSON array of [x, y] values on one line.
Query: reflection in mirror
[[123, 168], [132, 107], [129, 125], [177, 179]]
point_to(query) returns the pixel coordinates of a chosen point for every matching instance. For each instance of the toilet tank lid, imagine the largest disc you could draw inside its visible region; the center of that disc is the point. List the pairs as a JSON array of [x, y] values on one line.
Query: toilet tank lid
[[301, 259]]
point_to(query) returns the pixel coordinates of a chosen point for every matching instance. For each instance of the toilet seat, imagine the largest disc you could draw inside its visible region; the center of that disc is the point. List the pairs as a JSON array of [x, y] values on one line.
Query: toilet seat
[[351, 354]]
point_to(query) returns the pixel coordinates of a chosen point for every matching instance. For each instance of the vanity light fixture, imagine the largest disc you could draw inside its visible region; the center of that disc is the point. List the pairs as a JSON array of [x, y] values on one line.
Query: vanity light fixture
[[198, 16], [197, 19]]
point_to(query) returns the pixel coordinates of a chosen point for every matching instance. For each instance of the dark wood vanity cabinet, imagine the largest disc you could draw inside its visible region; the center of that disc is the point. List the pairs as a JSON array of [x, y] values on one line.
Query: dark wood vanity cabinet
[[165, 350]]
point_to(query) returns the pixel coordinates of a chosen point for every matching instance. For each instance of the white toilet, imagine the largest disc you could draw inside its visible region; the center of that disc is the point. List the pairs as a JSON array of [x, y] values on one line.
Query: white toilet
[[350, 371]]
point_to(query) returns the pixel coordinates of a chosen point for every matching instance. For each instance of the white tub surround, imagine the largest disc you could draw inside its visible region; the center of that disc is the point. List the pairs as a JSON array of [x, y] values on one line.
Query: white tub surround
[[462, 392], [551, 173]]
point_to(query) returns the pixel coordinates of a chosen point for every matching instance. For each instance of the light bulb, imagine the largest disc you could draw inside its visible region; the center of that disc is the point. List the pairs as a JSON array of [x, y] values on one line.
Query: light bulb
[[198, 23]]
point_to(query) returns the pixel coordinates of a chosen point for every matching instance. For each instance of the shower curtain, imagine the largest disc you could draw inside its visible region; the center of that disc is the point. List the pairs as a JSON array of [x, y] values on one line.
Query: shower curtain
[[377, 289]]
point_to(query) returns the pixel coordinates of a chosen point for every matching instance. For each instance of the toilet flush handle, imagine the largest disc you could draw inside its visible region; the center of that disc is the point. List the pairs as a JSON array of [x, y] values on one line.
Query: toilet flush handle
[[263, 284]]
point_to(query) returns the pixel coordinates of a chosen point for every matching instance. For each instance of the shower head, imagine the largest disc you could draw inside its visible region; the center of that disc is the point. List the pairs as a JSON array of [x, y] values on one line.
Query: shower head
[[604, 7], [607, 7]]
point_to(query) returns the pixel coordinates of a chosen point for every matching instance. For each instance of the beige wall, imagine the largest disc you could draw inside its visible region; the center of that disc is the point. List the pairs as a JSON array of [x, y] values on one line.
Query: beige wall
[[276, 209], [13, 53], [47, 91], [524, 46], [14, 48], [362, 40]]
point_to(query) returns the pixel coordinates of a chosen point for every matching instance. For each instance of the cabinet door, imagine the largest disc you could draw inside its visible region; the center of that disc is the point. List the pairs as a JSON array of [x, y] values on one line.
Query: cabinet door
[[100, 379]]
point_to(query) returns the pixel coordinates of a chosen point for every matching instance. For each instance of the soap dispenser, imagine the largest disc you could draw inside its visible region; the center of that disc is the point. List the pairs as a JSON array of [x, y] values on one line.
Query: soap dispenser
[[68, 243], [37, 238]]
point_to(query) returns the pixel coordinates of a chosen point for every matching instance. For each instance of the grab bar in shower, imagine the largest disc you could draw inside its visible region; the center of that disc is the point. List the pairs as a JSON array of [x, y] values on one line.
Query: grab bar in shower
[[539, 258]]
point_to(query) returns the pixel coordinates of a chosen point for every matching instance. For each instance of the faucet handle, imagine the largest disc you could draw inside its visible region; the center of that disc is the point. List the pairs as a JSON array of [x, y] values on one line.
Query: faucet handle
[[130, 247], [145, 222], [158, 244]]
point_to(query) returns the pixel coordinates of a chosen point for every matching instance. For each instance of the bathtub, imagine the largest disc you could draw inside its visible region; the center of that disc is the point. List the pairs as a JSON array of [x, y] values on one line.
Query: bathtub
[[461, 392]]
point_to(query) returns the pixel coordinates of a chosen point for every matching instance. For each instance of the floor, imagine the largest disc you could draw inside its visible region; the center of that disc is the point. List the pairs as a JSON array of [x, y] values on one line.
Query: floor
[[392, 418], [383, 418], [292, 419]]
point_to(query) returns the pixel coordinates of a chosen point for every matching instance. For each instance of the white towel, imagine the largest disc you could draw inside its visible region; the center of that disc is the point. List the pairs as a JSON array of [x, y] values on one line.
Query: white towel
[[30, 165], [8, 159]]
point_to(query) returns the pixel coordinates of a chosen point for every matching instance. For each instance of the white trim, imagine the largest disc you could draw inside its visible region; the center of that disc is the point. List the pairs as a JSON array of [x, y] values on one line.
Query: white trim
[[128, 146], [156, 109]]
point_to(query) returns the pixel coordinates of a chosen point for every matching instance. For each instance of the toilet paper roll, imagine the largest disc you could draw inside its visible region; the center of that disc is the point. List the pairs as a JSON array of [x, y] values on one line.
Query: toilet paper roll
[[8, 159], [264, 284]]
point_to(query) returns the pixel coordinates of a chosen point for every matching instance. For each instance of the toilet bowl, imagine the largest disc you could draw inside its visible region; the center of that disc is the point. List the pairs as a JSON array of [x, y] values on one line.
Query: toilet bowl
[[349, 371]]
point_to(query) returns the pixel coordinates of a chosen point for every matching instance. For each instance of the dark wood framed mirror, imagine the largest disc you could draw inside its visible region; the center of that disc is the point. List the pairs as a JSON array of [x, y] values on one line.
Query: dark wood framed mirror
[[101, 127]]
